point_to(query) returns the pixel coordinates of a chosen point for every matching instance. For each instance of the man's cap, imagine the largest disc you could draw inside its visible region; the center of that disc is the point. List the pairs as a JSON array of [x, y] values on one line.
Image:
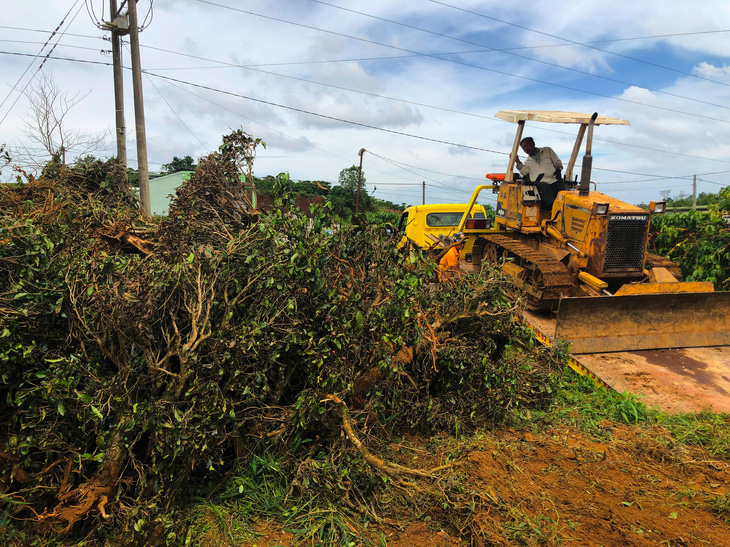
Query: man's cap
[[459, 237]]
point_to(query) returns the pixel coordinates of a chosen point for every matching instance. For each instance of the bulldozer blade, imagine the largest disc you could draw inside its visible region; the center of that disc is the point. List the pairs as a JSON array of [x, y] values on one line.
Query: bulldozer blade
[[646, 321]]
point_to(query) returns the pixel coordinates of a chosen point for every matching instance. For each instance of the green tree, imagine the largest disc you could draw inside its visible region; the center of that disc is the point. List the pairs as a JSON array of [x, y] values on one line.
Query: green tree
[[344, 195], [133, 177], [697, 241], [723, 202], [86, 160], [348, 179], [177, 164]]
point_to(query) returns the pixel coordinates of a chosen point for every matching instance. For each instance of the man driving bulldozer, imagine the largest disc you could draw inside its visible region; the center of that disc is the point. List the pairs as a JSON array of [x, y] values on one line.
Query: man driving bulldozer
[[542, 161]]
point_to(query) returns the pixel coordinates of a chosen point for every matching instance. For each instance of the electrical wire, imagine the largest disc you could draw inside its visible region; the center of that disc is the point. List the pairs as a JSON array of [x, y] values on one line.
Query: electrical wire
[[576, 43], [333, 118], [495, 71], [175, 113], [279, 132], [488, 49], [490, 118], [98, 21], [437, 56], [545, 129], [390, 57], [340, 120], [55, 31], [150, 15], [348, 121], [351, 122]]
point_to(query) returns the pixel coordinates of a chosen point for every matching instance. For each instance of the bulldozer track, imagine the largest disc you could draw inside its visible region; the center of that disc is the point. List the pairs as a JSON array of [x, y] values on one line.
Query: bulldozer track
[[548, 279]]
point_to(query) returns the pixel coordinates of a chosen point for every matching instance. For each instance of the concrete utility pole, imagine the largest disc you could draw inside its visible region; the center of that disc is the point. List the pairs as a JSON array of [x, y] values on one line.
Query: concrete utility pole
[[694, 193], [119, 26], [359, 176], [424, 192], [142, 169]]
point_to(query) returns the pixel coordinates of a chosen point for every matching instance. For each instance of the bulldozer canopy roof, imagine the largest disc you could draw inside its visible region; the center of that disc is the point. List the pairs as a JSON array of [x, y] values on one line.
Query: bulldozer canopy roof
[[555, 116]]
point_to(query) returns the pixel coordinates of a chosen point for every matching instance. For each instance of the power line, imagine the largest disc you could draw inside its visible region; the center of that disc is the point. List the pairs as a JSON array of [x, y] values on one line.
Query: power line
[[342, 88], [55, 31], [370, 126], [175, 113], [36, 43], [92, 14], [333, 118], [257, 122], [46, 32], [488, 49], [348, 60], [575, 43], [432, 56], [633, 146], [437, 56], [401, 165], [230, 93], [298, 140]]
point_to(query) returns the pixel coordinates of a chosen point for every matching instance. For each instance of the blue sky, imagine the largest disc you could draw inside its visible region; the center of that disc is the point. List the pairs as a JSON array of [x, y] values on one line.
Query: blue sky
[[416, 83]]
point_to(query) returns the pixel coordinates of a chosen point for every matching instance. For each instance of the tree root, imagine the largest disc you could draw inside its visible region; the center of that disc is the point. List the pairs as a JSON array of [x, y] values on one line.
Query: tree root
[[87, 497], [396, 472]]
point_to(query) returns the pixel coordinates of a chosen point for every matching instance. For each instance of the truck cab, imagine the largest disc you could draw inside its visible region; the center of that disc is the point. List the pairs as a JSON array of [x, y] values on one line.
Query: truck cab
[[426, 226]]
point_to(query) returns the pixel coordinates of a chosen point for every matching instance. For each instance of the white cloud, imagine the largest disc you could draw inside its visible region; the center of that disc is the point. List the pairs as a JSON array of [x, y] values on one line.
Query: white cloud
[[679, 121]]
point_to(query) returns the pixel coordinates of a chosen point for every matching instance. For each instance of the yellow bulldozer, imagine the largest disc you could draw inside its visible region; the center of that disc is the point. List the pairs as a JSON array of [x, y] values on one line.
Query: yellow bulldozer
[[585, 258]]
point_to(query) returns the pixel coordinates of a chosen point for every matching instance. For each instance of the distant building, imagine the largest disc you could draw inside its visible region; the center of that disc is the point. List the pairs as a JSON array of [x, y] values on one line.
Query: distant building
[[162, 190]]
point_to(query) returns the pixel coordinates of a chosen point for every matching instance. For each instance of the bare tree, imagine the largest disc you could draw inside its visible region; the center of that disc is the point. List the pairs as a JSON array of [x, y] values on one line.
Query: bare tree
[[46, 126]]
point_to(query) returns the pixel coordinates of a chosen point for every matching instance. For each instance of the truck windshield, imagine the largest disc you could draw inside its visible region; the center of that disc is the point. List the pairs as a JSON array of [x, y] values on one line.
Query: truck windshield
[[443, 219]]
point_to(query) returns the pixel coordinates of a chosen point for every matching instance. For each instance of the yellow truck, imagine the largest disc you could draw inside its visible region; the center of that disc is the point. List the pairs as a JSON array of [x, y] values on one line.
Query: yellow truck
[[429, 227]]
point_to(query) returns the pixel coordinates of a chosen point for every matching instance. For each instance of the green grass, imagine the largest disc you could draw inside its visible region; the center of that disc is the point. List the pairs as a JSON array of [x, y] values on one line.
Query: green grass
[[315, 515], [580, 404], [721, 505]]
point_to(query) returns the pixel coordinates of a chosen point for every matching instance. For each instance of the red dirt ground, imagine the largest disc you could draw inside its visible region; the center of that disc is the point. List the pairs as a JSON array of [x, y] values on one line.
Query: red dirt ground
[[562, 487]]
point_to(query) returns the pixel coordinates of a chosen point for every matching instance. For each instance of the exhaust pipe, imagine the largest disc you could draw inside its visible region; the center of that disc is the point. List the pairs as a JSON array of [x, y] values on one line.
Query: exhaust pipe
[[585, 172]]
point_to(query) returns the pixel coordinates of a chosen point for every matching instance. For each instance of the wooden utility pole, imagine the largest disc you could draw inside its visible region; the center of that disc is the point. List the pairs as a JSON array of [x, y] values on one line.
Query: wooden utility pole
[[142, 169], [359, 176], [118, 30]]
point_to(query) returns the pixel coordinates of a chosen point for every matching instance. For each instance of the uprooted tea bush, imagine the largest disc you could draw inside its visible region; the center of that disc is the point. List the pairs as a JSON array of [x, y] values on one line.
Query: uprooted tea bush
[[141, 361]]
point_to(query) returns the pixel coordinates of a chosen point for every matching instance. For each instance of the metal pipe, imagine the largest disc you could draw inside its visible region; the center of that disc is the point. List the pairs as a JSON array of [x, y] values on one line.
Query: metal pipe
[[585, 173], [515, 148]]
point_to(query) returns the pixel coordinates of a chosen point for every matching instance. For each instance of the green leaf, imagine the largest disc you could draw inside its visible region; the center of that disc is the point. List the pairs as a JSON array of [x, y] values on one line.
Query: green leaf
[[61, 409], [96, 412]]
